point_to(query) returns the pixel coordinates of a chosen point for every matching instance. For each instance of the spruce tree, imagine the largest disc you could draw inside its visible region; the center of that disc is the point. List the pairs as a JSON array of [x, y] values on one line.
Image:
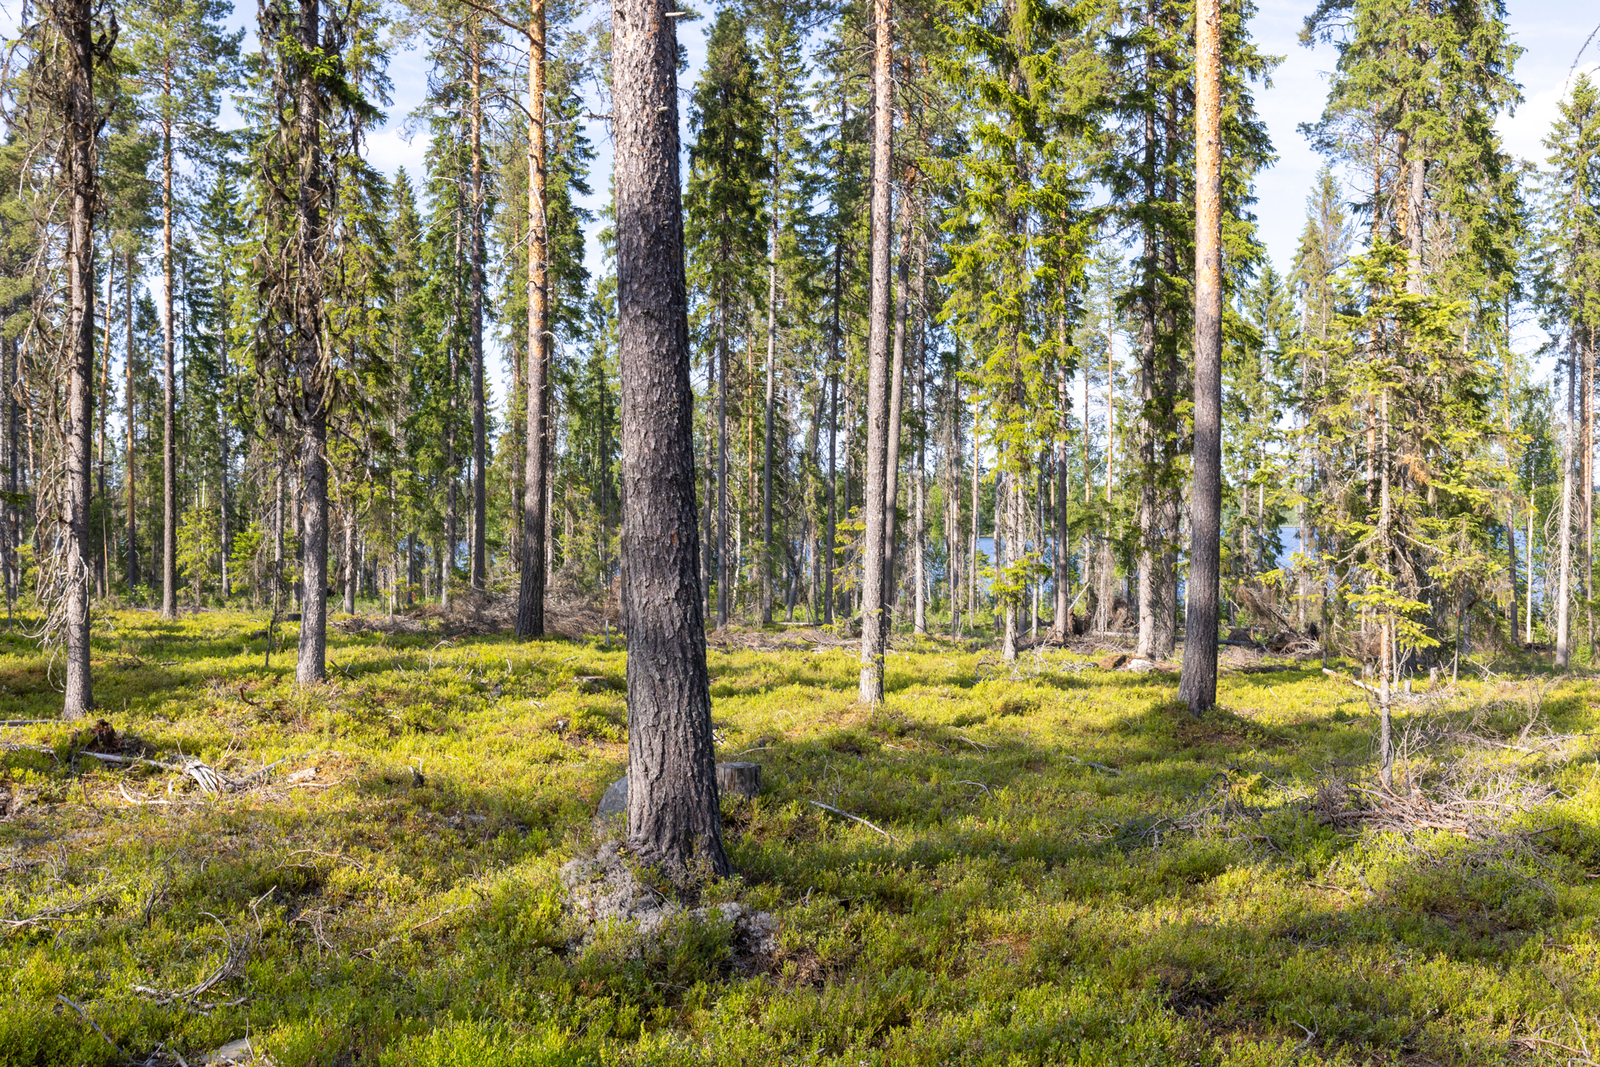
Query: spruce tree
[[725, 228]]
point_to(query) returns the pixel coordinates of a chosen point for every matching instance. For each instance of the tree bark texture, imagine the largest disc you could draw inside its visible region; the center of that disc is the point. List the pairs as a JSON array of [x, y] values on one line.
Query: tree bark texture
[[74, 19], [874, 624], [1564, 584], [530, 593], [1197, 684], [129, 416], [480, 449], [674, 821], [169, 397], [311, 667], [897, 378], [767, 552]]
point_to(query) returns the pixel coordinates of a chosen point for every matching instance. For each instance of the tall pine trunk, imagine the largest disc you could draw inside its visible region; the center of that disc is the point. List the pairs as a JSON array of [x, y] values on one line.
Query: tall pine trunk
[[722, 462], [480, 451], [311, 666], [1564, 586], [772, 369], [1386, 632], [530, 593], [169, 445], [833, 391], [103, 557], [874, 623], [74, 19], [9, 518], [897, 377], [1197, 684], [1061, 625], [673, 817], [130, 508], [919, 521]]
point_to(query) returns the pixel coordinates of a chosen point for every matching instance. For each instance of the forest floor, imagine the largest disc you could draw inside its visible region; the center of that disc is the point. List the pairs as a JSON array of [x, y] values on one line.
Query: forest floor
[[1062, 866]]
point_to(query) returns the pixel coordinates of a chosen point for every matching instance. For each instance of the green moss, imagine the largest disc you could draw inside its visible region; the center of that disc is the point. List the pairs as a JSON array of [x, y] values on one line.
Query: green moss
[[1080, 871]]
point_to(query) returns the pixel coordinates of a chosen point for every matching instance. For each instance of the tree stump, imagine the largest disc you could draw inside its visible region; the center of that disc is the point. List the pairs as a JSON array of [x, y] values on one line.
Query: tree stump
[[739, 779]]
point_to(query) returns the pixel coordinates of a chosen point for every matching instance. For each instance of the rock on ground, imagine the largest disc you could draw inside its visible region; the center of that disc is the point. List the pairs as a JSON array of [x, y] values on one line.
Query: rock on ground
[[605, 889]]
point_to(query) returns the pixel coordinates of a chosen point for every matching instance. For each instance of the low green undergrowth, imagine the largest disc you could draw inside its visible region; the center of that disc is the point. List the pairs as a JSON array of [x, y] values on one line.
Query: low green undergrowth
[[1062, 866]]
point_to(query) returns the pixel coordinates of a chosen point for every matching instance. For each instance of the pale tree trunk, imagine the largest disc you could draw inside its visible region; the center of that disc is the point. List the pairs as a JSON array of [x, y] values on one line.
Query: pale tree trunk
[[833, 391], [130, 512], [972, 539], [8, 459], [74, 19], [1386, 648], [311, 667], [673, 817], [1585, 500], [772, 370], [1511, 561], [225, 498], [169, 445], [1564, 587], [723, 604], [447, 558], [103, 557], [1007, 549], [919, 621], [1197, 684], [897, 376], [1416, 195], [480, 451], [1061, 626], [1148, 549], [832, 550], [955, 558], [1527, 548], [530, 593], [350, 572], [874, 623]]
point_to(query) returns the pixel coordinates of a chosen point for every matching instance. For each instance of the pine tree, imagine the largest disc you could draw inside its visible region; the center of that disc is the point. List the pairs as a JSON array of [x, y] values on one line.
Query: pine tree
[[673, 818], [186, 61]]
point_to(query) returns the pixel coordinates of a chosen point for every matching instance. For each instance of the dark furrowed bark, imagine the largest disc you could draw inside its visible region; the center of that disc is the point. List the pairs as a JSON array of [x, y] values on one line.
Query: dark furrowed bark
[[673, 817]]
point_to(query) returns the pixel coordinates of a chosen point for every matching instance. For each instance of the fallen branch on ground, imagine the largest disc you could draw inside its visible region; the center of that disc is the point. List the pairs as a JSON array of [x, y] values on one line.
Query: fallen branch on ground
[[62, 997], [58, 913], [857, 818], [209, 780], [1346, 678], [1090, 763], [369, 953], [232, 965]]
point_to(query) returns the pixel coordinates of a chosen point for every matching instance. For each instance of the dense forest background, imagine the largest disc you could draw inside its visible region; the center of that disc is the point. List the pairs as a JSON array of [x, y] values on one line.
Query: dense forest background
[[1389, 449]]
